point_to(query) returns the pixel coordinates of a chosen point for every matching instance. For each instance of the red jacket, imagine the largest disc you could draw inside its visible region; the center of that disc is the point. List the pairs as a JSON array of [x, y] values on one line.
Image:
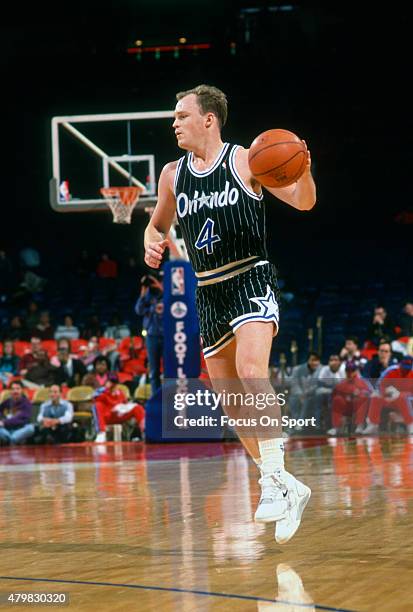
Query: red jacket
[[352, 388], [107, 400], [397, 377]]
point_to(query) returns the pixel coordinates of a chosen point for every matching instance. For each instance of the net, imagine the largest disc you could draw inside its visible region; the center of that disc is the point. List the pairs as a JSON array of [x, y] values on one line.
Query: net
[[121, 201]]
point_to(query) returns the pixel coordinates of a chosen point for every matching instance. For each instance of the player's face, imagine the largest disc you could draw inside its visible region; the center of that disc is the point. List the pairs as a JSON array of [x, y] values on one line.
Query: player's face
[[189, 124]]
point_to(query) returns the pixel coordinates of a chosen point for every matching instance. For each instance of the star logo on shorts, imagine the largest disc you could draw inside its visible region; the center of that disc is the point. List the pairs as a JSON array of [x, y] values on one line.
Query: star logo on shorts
[[268, 305]]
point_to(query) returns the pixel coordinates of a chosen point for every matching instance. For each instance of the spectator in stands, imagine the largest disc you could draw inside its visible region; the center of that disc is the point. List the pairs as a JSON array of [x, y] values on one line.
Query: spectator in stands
[[350, 397], [382, 325], [303, 385], [63, 343], [9, 362], [395, 390], [112, 407], [150, 307], [15, 416], [32, 317], [351, 351], [16, 330], [406, 320], [92, 351], [117, 330], [69, 370], [328, 377], [44, 329], [31, 358], [92, 328], [55, 418], [379, 362], [40, 374], [67, 330], [107, 268], [98, 377]]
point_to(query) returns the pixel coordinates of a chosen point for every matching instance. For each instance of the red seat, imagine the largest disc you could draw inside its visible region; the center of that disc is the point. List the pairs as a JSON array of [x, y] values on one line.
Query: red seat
[[136, 367], [21, 348], [124, 377], [29, 393], [131, 348], [107, 343], [368, 353], [50, 346], [78, 345]]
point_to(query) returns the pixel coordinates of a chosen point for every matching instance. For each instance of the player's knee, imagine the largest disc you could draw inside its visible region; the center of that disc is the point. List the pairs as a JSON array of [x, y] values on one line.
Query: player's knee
[[251, 371]]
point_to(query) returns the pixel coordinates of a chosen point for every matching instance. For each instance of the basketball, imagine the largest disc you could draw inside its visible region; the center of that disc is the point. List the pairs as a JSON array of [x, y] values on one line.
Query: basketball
[[277, 158]]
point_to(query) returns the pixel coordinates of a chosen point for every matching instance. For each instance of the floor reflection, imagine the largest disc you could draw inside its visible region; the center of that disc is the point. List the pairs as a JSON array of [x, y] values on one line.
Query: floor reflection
[[290, 593]]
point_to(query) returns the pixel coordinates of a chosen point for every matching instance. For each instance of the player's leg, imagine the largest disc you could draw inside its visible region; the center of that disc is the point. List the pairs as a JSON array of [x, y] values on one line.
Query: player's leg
[[283, 497], [223, 373]]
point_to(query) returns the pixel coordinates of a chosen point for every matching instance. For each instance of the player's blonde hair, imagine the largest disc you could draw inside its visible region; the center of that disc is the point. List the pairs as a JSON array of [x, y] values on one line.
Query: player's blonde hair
[[210, 100]]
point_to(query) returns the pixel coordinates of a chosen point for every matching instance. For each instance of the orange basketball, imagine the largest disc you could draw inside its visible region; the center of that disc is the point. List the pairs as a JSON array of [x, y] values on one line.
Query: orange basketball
[[277, 158]]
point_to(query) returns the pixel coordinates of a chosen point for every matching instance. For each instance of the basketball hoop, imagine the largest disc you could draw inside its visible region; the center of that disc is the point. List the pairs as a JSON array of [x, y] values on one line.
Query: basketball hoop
[[121, 201]]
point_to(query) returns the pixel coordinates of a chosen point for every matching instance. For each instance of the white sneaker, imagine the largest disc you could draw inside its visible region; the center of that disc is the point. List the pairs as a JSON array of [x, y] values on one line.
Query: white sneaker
[[371, 428], [359, 429], [101, 437], [297, 497], [332, 432], [273, 502]]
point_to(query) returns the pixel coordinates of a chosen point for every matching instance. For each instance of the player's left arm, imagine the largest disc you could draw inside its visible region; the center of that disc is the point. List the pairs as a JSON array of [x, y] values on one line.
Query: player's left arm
[[300, 195]]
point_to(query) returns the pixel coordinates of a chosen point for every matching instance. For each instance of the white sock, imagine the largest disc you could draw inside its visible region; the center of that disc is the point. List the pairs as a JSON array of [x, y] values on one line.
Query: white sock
[[272, 454]]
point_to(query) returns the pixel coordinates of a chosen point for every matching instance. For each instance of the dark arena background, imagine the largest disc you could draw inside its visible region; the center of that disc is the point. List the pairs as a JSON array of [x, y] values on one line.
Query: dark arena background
[[126, 517]]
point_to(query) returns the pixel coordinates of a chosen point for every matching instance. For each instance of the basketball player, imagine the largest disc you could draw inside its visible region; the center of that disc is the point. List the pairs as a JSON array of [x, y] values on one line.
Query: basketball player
[[221, 213]]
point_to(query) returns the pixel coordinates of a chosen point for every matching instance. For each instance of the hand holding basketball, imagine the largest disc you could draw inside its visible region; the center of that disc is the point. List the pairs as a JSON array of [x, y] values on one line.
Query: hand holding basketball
[[278, 158], [154, 253]]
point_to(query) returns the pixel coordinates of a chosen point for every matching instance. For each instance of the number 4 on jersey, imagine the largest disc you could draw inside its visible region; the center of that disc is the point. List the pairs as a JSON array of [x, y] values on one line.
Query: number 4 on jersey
[[206, 237]]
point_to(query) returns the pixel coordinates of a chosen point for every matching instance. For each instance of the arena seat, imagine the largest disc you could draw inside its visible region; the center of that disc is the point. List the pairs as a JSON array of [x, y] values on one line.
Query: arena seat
[[50, 346], [142, 392], [124, 390], [105, 343], [21, 348], [82, 398], [124, 377], [78, 344], [41, 395], [135, 367], [131, 343], [82, 393]]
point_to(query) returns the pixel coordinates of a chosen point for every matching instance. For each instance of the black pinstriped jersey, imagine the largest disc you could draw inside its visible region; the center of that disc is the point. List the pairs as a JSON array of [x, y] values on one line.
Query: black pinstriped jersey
[[221, 220]]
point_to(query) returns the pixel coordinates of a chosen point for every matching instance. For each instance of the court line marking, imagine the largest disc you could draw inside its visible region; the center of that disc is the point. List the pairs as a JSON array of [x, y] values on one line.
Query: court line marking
[[176, 590]]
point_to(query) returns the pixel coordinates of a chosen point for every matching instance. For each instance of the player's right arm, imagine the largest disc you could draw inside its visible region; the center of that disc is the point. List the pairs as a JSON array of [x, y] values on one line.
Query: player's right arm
[[155, 239]]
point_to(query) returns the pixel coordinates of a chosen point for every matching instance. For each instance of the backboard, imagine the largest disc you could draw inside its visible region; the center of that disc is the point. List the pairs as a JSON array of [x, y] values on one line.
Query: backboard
[[117, 149]]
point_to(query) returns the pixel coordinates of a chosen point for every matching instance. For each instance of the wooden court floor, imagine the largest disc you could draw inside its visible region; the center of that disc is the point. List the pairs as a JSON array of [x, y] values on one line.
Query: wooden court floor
[[132, 527]]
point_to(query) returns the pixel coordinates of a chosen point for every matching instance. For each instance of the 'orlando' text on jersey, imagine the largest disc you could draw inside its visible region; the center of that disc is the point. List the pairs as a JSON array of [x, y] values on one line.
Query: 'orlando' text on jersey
[[222, 221]]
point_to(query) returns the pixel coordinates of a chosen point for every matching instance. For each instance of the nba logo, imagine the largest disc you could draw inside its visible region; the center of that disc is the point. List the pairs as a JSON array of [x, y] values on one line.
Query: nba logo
[[178, 281], [64, 191]]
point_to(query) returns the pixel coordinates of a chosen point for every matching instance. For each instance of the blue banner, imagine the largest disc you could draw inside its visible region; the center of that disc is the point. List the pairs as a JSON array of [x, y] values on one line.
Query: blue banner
[[181, 330]]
